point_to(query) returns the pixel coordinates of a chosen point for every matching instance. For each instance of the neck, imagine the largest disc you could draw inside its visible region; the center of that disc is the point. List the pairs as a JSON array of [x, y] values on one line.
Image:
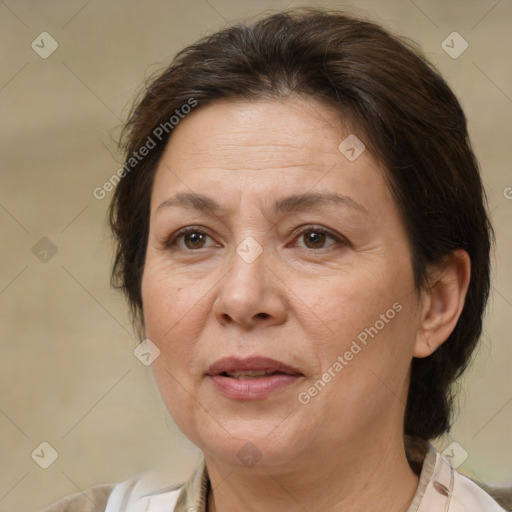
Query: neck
[[362, 476]]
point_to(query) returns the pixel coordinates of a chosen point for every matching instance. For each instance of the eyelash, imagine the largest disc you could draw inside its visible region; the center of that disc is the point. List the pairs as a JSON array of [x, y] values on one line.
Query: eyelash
[[171, 242]]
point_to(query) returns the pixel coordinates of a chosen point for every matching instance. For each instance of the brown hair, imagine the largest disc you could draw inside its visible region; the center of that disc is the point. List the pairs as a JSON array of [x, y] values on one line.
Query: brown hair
[[400, 106]]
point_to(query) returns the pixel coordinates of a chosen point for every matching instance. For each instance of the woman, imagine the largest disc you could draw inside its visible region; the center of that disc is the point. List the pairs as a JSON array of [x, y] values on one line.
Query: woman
[[304, 243]]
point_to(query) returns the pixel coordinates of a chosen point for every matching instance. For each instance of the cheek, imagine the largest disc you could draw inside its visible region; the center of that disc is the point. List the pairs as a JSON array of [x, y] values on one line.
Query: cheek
[[368, 315], [172, 325], [175, 313], [175, 391], [164, 300], [355, 300]]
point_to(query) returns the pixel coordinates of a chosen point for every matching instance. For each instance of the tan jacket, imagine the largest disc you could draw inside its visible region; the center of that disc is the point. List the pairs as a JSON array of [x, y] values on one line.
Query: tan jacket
[[440, 489]]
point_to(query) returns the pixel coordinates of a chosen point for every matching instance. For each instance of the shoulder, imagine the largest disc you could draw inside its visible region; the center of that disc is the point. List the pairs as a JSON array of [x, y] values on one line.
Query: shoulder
[[469, 495], [149, 487], [91, 500], [143, 492], [120, 497], [453, 491], [151, 491], [442, 487]]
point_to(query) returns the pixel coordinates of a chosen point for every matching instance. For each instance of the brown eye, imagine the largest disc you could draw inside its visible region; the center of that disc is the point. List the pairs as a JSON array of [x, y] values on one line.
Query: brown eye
[[194, 240], [315, 238], [192, 237]]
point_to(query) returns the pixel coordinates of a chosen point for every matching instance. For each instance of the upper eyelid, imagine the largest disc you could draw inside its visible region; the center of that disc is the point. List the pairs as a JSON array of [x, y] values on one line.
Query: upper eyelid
[[306, 227]]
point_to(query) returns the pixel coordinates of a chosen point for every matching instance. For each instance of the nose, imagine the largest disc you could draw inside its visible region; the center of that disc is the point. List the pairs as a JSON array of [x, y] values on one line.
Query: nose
[[251, 293]]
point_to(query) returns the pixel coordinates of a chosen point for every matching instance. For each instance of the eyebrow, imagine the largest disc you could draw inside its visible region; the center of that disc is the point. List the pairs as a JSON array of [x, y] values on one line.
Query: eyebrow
[[289, 204]]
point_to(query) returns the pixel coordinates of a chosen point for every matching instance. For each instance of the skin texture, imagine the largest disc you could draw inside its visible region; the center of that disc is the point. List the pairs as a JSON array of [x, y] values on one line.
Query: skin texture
[[301, 302]]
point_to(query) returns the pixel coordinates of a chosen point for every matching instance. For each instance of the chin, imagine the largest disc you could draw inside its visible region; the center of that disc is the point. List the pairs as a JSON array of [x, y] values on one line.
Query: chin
[[241, 445]]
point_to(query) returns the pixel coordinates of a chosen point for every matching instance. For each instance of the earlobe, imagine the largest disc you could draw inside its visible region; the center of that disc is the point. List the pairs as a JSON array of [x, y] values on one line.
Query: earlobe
[[443, 302]]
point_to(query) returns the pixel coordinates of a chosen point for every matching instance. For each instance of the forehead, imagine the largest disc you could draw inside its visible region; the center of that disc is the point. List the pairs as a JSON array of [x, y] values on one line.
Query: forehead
[[288, 131], [263, 146]]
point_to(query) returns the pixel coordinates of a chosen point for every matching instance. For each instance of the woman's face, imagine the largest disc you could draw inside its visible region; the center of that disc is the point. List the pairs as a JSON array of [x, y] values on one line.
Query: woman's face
[[286, 319]]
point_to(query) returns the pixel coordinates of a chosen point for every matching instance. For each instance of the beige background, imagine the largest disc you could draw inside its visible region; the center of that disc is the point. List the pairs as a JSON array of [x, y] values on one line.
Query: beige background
[[68, 375]]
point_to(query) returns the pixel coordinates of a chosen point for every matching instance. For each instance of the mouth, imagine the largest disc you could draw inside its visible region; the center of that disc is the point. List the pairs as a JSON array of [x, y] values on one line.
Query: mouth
[[252, 367], [249, 374], [251, 378]]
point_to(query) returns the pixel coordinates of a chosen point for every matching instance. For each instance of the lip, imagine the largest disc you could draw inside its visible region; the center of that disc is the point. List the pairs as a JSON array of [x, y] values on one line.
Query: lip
[[256, 388], [236, 364]]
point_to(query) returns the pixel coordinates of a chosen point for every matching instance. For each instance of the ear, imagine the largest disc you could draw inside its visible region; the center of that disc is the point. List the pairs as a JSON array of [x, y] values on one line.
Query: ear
[[442, 302]]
